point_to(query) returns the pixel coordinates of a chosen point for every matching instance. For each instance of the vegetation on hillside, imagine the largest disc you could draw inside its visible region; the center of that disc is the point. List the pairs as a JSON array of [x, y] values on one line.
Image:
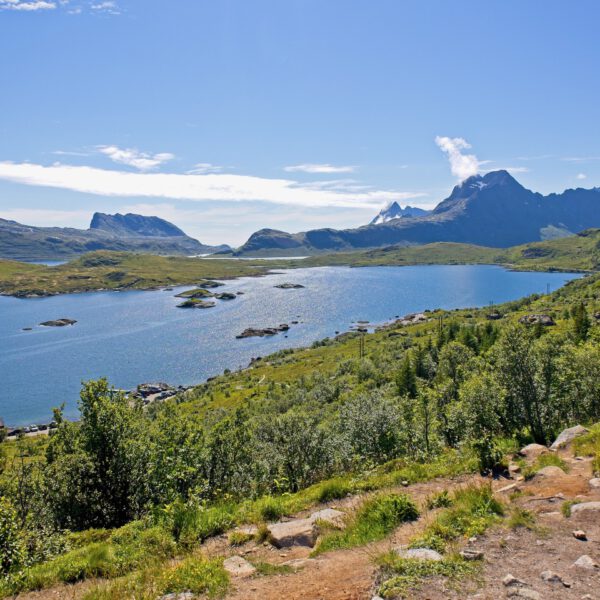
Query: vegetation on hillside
[[126, 489]]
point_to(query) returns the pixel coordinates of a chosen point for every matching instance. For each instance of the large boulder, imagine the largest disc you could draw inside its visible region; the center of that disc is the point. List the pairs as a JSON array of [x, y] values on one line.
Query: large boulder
[[585, 508], [567, 436], [532, 451], [586, 562], [550, 472], [299, 532]]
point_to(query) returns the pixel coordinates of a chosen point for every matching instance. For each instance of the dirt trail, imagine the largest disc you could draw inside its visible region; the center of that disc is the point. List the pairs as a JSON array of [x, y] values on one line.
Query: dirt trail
[[350, 574]]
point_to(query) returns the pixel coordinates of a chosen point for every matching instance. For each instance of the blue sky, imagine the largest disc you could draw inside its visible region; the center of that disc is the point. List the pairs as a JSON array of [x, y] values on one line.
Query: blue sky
[[228, 116]]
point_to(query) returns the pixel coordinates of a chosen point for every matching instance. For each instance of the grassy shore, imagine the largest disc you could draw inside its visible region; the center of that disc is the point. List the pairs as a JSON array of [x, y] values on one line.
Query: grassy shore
[[121, 270]]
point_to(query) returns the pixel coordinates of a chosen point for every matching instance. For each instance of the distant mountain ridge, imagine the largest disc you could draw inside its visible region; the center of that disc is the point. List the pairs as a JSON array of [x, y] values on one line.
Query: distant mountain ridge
[[487, 210], [130, 232], [131, 225], [395, 211]]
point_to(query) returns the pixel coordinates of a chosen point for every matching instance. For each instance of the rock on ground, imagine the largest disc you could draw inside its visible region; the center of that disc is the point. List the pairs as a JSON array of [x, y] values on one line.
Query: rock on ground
[[419, 553], [550, 471], [237, 566], [585, 562], [567, 436], [585, 507], [532, 451]]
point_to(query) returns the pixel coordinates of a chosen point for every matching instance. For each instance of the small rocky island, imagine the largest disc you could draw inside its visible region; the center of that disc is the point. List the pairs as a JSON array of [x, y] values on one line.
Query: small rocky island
[[289, 286], [267, 331], [195, 303], [58, 323]]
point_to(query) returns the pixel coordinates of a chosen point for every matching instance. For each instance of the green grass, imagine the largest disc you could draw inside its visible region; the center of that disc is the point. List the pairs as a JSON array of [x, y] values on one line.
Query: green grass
[[402, 576], [473, 509], [268, 569], [544, 460], [521, 518], [198, 575], [374, 520]]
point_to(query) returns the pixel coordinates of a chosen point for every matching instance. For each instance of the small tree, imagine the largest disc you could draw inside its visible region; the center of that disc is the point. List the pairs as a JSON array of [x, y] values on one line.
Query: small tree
[[581, 323], [406, 381]]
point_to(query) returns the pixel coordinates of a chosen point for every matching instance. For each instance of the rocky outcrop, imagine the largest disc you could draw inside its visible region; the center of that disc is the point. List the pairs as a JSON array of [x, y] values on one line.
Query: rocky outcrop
[[58, 323], [545, 320], [197, 293], [567, 436], [225, 296], [532, 451], [266, 331], [585, 508], [289, 286], [195, 303]]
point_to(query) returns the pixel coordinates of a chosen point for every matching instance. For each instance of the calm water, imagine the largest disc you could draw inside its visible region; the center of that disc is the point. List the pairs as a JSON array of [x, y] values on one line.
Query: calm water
[[135, 337]]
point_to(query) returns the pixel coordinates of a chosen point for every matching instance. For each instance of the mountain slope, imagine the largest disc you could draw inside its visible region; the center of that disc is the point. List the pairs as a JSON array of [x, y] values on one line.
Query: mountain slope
[[134, 233], [490, 210], [395, 211]]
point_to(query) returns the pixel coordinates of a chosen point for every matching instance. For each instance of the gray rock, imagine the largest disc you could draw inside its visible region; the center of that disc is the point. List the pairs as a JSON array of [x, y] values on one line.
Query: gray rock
[[567, 436], [585, 507], [510, 580], [585, 562], [299, 532], [179, 596], [595, 483], [552, 577], [237, 566], [532, 451], [419, 553], [330, 516], [579, 534], [549, 472]]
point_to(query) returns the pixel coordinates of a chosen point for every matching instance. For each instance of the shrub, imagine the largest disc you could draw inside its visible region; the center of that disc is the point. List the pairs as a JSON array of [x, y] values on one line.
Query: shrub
[[334, 489]]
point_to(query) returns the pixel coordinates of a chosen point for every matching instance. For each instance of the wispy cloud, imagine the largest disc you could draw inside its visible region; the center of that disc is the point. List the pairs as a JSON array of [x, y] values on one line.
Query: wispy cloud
[[204, 168], [580, 158], [134, 158], [319, 168], [511, 170], [216, 187], [581, 176], [461, 165], [26, 5], [70, 153]]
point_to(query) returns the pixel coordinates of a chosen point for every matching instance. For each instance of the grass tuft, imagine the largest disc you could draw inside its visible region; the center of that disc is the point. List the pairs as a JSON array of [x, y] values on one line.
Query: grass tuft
[[376, 518]]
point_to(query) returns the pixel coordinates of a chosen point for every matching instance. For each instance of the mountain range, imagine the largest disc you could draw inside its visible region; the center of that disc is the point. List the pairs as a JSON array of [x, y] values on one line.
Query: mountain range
[[395, 211], [128, 232], [489, 210]]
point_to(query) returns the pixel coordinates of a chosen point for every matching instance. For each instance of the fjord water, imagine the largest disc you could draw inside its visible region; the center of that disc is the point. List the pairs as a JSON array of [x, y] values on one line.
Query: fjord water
[[134, 337]]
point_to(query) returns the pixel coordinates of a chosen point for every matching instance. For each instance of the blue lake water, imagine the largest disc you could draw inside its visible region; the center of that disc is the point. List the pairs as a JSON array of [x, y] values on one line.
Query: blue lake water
[[134, 337]]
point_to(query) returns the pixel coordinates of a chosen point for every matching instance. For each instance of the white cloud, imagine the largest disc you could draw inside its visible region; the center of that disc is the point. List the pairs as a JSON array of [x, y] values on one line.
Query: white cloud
[[134, 158], [26, 5], [461, 165], [204, 168], [108, 6], [581, 176], [318, 168], [216, 187]]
